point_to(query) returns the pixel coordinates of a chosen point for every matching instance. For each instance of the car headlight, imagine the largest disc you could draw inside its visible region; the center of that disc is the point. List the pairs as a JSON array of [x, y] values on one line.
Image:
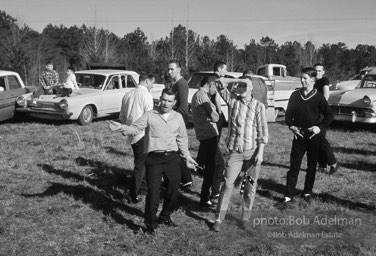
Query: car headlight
[[367, 100], [21, 101], [63, 104]]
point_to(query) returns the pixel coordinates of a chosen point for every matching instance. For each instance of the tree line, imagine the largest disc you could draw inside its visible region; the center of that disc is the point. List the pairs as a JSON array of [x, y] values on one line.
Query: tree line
[[25, 51]]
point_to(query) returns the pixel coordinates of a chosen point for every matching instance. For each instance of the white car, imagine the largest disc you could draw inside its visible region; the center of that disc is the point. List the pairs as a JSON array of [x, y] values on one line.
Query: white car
[[352, 82], [101, 92], [11, 86], [357, 105]]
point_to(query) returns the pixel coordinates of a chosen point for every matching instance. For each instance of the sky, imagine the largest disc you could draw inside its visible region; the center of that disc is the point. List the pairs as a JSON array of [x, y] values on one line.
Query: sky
[[351, 22]]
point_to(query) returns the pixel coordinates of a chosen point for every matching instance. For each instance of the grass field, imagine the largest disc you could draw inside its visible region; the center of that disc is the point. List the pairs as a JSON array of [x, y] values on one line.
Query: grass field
[[62, 188]]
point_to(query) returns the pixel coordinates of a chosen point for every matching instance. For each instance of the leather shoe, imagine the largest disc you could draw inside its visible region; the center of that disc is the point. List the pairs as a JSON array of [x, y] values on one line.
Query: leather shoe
[[134, 200], [284, 204], [217, 226], [333, 169], [168, 223], [307, 198], [209, 204]]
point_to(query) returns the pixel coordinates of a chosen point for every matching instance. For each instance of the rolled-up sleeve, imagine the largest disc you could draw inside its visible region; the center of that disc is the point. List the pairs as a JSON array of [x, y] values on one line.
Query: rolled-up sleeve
[[262, 126]]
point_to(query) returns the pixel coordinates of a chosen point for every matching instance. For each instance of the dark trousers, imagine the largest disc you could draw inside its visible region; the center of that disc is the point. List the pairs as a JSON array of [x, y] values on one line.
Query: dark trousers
[[54, 90], [66, 92], [326, 156], [299, 147], [220, 124], [219, 166], [186, 175], [209, 146], [138, 177], [158, 165]]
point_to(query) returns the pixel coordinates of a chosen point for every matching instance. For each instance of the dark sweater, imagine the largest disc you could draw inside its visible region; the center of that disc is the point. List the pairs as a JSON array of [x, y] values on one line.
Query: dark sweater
[[305, 111], [319, 85], [181, 87]]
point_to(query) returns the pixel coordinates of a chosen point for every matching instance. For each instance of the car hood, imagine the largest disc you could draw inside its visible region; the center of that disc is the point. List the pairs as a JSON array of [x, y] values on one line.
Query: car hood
[[353, 97], [75, 95], [347, 85]]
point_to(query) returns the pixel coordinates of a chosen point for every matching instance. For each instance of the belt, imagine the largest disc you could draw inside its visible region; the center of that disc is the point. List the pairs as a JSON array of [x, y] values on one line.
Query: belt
[[163, 153], [304, 131]]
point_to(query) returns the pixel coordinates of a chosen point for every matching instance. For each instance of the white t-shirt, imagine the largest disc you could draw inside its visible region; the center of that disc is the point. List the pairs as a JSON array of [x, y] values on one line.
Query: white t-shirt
[[70, 82]]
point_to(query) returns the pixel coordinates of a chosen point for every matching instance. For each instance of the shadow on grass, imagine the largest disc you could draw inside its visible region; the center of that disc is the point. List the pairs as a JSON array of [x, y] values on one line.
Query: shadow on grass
[[192, 209], [114, 151], [106, 178], [353, 151], [352, 127], [327, 198], [266, 163], [96, 199], [360, 166]]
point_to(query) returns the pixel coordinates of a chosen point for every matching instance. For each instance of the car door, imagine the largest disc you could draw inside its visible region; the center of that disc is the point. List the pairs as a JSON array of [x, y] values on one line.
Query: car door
[[112, 95], [11, 89]]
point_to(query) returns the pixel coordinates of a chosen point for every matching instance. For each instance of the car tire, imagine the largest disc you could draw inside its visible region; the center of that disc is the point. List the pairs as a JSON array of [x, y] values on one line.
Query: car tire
[[86, 116]]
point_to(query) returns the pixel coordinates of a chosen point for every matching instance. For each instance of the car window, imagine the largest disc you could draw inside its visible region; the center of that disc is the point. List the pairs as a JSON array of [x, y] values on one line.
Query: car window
[[2, 83], [196, 79], [277, 71], [130, 82], [113, 83], [13, 83], [90, 81], [261, 72], [369, 82]]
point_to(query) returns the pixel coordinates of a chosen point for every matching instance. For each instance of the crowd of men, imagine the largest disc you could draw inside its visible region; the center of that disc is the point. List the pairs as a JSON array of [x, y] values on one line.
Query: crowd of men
[[159, 139]]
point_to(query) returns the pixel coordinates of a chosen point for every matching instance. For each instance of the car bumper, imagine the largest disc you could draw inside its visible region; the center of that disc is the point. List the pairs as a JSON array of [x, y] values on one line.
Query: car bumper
[[355, 119], [46, 114]]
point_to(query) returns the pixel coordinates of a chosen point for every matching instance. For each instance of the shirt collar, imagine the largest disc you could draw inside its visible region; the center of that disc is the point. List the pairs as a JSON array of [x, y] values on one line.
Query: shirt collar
[[244, 99]]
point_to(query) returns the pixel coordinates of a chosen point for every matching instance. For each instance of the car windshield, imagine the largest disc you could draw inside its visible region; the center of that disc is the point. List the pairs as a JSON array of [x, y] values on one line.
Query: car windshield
[[90, 81], [196, 79], [368, 82]]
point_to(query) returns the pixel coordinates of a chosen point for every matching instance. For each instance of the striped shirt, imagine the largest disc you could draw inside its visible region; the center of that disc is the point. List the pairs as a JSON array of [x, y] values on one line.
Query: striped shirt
[[247, 123]]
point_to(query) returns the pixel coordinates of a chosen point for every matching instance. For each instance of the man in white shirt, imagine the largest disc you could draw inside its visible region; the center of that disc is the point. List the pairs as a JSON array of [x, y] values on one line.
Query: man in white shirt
[[134, 104], [70, 83]]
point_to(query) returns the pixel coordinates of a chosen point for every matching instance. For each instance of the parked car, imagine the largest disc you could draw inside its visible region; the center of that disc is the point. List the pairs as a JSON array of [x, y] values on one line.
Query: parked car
[[100, 94], [353, 81], [357, 105], [194, 84], [11, 86]]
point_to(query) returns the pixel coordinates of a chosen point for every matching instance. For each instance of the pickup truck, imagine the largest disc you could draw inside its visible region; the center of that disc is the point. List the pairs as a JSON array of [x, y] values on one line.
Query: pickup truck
[[283, 85], [11, 86]]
